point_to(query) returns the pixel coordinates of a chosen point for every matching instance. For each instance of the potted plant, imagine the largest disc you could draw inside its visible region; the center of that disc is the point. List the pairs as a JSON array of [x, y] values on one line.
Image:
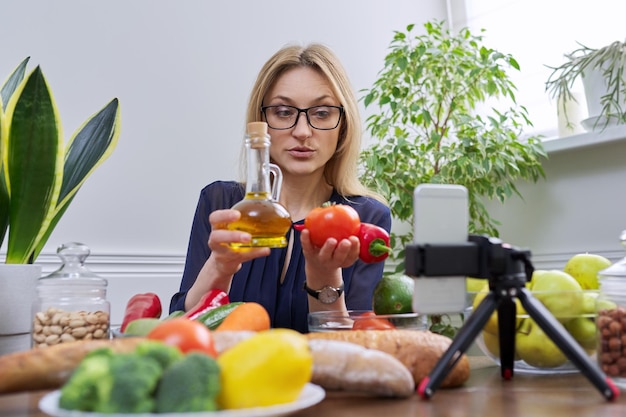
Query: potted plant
[[602, 74], [39, 176], [434, 125]]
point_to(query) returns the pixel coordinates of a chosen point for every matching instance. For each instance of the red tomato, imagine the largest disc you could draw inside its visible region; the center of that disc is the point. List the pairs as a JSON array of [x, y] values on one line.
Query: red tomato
[[185, 334], [338, 221], [371, 323]]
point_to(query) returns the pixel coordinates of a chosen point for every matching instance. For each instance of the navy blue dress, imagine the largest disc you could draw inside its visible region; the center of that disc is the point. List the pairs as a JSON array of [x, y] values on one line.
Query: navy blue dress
[[259, 280]]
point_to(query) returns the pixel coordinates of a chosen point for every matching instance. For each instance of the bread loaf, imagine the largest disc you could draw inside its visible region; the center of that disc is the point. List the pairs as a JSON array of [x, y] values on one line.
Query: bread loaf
[[50, 367], [419, 351], [350, 367]]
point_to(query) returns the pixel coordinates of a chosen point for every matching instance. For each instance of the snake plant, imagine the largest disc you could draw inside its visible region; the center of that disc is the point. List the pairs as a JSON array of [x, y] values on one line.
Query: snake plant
[[40, 173]]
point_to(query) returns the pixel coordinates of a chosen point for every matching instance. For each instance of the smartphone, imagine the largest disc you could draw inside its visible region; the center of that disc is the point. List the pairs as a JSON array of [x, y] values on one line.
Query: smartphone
[[440, 216]]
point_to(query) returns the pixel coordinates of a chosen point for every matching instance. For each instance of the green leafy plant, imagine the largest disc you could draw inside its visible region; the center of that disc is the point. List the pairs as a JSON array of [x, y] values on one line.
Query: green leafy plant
[[610, 61], [39, 173], [434, 125]]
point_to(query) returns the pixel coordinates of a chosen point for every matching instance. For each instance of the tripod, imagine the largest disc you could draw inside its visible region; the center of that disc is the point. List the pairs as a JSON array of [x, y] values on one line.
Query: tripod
[[507, 276]]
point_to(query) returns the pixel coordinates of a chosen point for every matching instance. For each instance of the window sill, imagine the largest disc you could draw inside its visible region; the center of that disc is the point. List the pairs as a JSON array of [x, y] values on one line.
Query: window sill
[[583, 140]]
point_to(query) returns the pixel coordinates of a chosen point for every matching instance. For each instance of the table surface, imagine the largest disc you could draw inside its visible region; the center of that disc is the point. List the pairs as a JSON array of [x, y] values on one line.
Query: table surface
[[484, 394]]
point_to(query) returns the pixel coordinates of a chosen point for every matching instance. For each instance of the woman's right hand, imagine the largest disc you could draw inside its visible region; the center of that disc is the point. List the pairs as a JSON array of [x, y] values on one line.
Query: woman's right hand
[[224, 258]]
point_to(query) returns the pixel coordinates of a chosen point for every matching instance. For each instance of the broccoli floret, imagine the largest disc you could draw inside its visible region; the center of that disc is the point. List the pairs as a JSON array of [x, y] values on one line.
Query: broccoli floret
[[162, 353], [131, 385], [191, 384], [80, 392], [112, 383]]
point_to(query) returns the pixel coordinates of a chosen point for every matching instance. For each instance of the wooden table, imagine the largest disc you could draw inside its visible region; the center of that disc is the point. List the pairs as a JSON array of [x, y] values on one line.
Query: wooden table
[[485, 394]]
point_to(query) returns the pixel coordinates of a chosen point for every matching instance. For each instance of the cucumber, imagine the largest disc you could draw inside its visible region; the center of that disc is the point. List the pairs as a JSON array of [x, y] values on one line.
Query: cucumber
[[215, 317], [174, 314]]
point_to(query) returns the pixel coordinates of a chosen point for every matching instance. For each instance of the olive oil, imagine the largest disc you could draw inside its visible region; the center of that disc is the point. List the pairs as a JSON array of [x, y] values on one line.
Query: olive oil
[[266, 221], [261, 214]]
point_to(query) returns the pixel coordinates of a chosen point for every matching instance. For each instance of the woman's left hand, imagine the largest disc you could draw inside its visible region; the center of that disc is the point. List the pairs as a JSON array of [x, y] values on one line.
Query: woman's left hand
[[332, 255]]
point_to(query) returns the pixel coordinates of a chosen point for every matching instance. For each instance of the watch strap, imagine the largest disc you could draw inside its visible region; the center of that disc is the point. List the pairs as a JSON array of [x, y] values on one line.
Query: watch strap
[[316, 293]]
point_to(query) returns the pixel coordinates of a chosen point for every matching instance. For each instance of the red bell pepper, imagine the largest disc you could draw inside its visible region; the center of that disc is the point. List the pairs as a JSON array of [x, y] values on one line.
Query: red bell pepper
[[146, 305], [369, 321], [212, 299], [375, 245]]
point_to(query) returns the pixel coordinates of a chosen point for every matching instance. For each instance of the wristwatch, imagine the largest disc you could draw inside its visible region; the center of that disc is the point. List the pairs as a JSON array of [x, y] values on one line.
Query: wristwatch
[[326, 295]]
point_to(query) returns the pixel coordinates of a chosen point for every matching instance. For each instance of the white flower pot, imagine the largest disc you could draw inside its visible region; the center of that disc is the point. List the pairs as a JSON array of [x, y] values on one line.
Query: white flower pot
[[595, 87], [17, 292]]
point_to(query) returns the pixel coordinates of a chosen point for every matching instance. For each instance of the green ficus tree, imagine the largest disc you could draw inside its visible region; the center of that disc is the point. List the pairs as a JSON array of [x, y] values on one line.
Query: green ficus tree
[[435, 124]]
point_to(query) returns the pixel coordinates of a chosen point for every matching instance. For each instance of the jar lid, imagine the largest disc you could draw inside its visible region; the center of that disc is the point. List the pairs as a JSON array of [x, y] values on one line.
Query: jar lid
[[618, 269], [73, 270]]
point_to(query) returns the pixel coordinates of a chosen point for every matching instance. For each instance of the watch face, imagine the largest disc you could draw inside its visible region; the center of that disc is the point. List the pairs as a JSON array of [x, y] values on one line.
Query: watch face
[[328, 295]]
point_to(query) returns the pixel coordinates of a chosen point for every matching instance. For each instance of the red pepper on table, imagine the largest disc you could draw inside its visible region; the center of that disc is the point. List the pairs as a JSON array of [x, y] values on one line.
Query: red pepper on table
[[146, 305], [375, 245], [212, 299]]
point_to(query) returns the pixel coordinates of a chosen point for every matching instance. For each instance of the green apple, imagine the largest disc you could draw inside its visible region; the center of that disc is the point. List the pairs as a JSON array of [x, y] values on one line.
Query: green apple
[[592, 303], [584, 267], [583, 329], [590, 298], [603, 304], [492, 324], [492, 344], [535, 348], [141, 327], [474, 284], [559, 292]]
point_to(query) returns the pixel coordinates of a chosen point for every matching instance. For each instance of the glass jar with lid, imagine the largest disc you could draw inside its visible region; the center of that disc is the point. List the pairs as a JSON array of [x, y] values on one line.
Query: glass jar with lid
[[611, 320], [71, 302]]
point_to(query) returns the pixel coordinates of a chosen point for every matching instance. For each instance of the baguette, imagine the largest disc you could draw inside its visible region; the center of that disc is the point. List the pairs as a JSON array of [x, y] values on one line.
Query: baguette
[[50, 367], [419, 351]]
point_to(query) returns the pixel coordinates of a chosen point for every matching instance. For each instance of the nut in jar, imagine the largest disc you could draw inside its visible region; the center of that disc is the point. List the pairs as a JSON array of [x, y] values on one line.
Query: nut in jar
[[611, 320], [71, 302], [612, 346], [55, 326]]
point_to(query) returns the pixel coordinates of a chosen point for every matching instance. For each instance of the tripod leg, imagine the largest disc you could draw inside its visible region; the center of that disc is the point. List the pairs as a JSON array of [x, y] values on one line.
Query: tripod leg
[[568, 345], [459, 345], [506, 332]]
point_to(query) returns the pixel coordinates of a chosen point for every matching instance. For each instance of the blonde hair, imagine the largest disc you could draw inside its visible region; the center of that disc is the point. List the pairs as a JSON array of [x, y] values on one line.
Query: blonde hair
[[341, 171]]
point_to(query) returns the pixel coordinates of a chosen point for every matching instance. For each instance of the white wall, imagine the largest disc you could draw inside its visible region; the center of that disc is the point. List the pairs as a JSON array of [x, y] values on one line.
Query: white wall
[[579, 207], [182, 71]]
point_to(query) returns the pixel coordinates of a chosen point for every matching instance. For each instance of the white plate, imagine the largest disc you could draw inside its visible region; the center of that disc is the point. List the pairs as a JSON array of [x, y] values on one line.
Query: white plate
[[310, 395]]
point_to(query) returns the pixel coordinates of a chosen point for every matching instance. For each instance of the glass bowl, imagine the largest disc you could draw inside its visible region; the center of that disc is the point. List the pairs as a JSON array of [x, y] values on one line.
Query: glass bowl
[[535, 353], [326, 321]]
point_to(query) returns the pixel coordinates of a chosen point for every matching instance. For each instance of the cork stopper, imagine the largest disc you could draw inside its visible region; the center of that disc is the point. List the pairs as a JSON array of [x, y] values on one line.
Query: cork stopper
[[257, 135], [257, 129]]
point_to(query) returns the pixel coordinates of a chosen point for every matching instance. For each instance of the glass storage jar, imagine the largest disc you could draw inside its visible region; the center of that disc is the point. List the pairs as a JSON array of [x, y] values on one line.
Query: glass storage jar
[[611, 320], [71, 302]]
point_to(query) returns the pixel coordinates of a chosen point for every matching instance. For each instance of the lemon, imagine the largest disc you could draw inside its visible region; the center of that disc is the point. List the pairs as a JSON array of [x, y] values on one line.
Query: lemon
[[269, 368]]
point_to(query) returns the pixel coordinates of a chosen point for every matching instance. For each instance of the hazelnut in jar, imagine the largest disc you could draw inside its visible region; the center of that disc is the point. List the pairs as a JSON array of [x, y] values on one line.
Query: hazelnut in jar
[[611, 320]]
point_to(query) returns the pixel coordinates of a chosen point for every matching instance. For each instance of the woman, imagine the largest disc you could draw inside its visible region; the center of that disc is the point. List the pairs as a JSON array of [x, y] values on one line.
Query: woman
[[305, 97]]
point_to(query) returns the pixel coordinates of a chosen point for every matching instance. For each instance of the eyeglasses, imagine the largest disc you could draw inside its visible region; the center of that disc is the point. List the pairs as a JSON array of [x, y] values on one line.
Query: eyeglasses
[[318, 117]]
